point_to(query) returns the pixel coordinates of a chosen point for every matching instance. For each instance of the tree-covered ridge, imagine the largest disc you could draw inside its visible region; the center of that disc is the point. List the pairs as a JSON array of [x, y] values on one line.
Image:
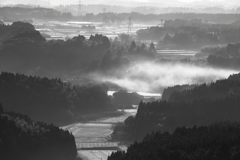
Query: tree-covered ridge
[[218, 89], [219, 141], [225, 56], [192, 34], [11, 14], [166, 116], [167, 92], [50, 100], [23, 139], [9, 31], [201, 105]]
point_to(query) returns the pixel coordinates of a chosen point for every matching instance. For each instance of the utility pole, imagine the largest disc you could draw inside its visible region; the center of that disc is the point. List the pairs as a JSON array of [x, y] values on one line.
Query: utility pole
[[129, 25]]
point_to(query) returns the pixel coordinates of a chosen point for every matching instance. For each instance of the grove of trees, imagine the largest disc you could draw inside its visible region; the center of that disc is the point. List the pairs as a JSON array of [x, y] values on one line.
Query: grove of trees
[[218, 141], [51, 100], [202, 105], [23, 139]]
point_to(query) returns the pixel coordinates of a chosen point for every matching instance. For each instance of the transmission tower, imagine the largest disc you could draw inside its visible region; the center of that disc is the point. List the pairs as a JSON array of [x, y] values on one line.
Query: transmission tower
[[104, 10], [162, 21], [79, 8], [49, 4], [130, 24], [104, 17]]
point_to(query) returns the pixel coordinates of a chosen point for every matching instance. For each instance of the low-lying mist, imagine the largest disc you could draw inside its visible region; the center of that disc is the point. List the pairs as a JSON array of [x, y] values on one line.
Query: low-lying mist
[[153, 78]]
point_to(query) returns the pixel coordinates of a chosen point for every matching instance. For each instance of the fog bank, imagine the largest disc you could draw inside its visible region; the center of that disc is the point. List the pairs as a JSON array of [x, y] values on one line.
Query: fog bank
[[153, 78]]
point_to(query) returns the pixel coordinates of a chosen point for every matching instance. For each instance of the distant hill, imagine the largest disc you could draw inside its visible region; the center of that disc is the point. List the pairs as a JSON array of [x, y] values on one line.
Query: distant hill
[[8, 32], [43, 3]]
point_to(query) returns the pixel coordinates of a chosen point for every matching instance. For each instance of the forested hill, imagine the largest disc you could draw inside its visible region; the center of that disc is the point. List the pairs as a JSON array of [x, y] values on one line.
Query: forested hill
[[219, 141], [50, 100], [225, 56], [203, 105], [9, 31], [218, 89], [23, 139]]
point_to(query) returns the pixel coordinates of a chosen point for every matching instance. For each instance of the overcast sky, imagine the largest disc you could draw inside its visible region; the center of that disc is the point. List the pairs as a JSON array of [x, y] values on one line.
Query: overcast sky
[[128, 2]]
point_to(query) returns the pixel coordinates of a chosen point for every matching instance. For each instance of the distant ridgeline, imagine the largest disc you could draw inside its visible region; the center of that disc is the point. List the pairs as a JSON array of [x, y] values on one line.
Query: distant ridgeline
[[202, 105], [51, 100], [23, 139], [190, 34], [11, 14], [219, 141], [27, 12]]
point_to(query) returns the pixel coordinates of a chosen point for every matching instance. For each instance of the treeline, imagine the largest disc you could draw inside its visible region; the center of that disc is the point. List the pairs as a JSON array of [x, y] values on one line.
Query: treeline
[[190, 34], [219, 141], [167, 92], [6, 32], [28, 52], [51, 100], [225, 56], [11, 14], [218, 89], [23, 139], [201, 105]]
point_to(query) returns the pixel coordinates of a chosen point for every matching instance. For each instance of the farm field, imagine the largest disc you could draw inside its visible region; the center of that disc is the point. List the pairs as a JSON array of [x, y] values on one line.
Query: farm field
[[177, 54], [63, 30], [93, 139], [96, 155]]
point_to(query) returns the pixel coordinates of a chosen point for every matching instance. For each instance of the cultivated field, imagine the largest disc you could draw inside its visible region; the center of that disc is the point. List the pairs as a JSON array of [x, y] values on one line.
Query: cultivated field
[[96, 155], [93, 139]]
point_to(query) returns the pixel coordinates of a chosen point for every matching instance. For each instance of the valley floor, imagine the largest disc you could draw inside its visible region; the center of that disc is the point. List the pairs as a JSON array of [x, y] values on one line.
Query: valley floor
[[94, 139]]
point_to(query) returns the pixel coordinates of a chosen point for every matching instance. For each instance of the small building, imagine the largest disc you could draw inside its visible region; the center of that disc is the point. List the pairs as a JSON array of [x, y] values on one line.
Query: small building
[[119, 129]]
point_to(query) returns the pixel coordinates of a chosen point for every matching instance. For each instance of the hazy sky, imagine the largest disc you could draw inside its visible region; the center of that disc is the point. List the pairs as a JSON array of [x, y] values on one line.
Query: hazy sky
[[129, 2]]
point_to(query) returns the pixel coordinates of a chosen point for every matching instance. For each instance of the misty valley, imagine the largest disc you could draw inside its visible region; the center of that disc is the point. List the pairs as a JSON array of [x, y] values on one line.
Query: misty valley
[[119, 82]]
